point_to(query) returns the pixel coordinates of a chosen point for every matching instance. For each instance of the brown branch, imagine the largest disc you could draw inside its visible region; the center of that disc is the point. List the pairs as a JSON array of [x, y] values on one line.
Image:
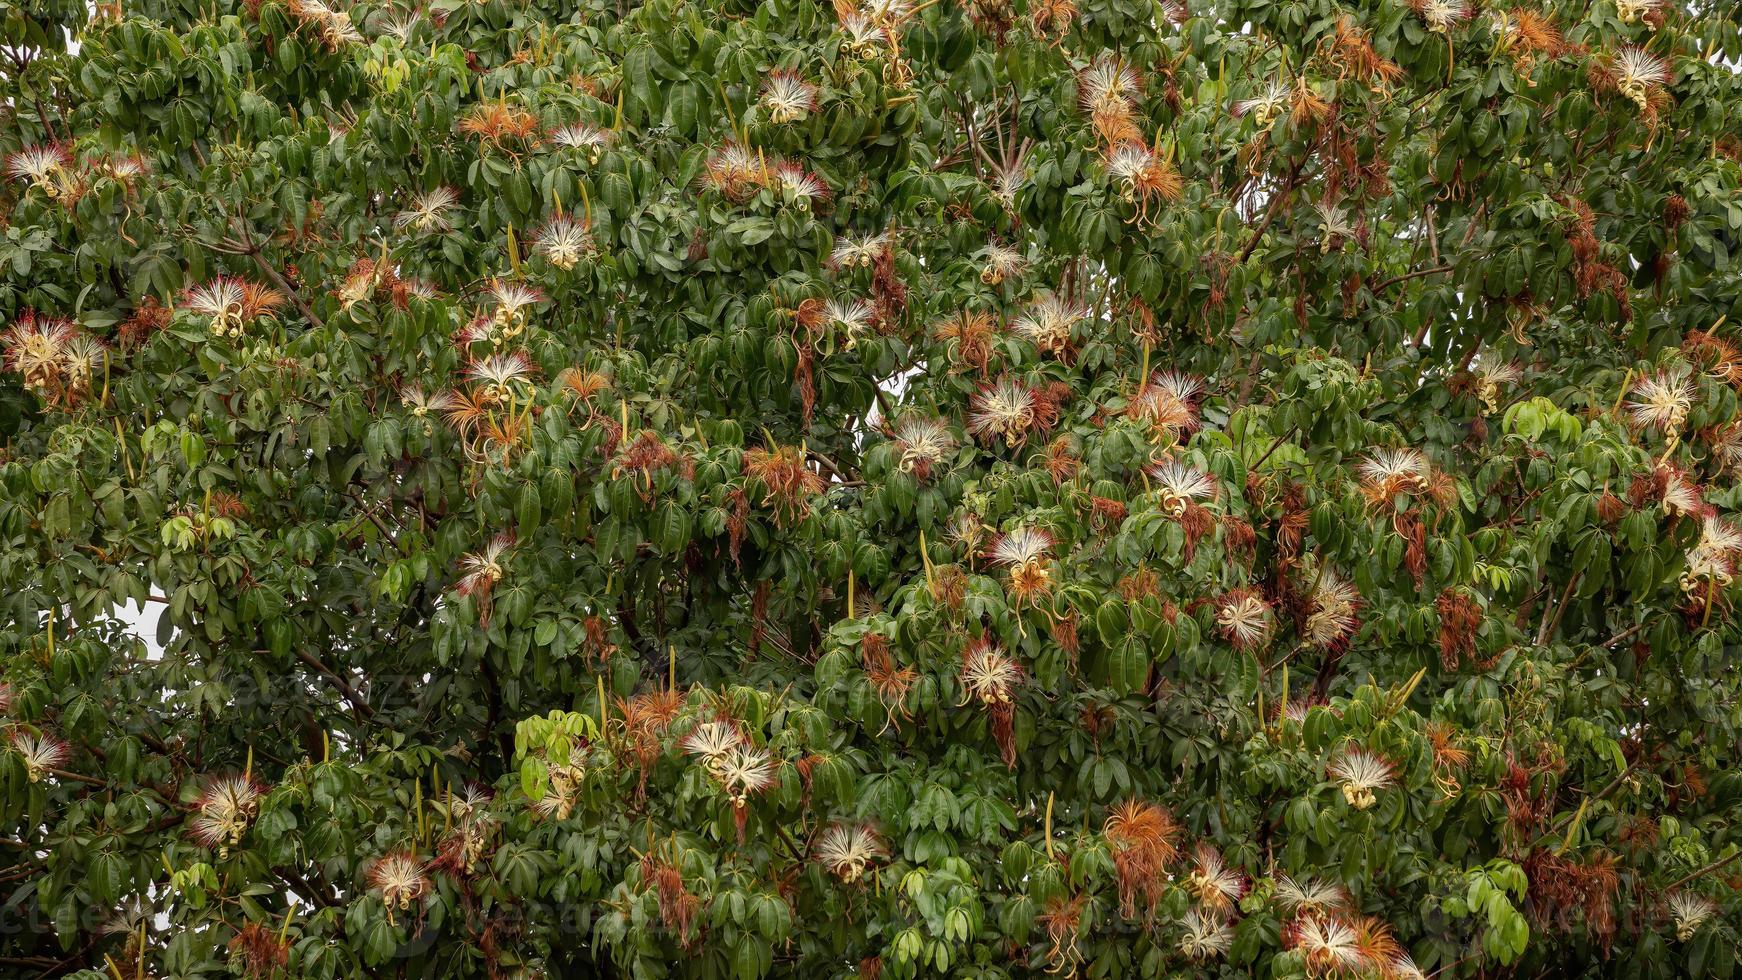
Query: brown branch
[[358, 703], [1708, 869], [1417, 274]]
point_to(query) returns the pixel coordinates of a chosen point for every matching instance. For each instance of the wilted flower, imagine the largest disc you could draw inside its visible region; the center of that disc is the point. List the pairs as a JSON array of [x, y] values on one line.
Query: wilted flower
[[262, 951], [40, 753], [847, 849], [1206, 936], [787, 97], [788, 483], [1361, 773], [1244, 618], [333, 26], [1144, 841], [563, 793], [427, 211], [496, 123], [400, 878]]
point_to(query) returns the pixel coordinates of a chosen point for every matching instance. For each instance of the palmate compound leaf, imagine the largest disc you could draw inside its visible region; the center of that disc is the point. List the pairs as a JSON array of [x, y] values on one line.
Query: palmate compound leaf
[[743, 489]]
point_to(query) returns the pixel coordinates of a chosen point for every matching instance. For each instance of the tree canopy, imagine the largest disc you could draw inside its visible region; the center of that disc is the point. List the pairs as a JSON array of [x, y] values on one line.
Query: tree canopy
[[986, 488]]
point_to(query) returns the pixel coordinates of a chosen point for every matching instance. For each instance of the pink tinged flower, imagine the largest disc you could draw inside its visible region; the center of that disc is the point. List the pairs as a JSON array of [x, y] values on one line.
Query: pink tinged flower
[[480, 572], [37, 347], [1004, 408], [40, 165], [799, 186], [787, 97], [1681, 495]]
